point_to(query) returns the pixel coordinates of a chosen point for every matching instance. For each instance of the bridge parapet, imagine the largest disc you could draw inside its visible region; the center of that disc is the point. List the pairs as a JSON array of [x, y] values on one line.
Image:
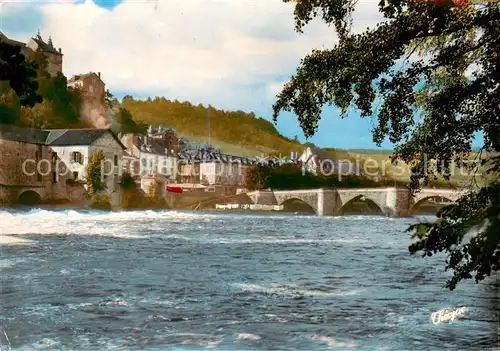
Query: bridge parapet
[[393, 201]]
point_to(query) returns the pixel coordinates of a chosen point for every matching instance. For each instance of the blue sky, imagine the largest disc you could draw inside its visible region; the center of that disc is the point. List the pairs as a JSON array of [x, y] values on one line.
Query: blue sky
[[232, 54]]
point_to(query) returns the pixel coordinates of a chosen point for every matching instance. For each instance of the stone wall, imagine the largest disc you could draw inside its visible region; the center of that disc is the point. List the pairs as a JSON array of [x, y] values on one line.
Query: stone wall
[[54, 63], [26, 167], [15, 155], [263, 197]]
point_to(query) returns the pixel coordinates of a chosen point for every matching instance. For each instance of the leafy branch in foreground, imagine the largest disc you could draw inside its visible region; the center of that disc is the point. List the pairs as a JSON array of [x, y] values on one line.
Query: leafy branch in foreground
[[434, 104]]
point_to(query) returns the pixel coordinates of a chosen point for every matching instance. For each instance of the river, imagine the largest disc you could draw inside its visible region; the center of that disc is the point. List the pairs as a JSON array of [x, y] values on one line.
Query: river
[[196, 281]]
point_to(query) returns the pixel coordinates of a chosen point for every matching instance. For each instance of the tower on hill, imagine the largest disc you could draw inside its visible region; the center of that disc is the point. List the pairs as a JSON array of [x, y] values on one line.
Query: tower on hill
[[54, 56]]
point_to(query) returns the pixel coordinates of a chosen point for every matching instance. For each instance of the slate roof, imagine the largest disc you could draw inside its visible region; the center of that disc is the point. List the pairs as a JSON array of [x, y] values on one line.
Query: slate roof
[[46, 47], [54, 137], [204, 155], [73, 137], [83, 76], [24, 135], [153, 146], [67, 137]]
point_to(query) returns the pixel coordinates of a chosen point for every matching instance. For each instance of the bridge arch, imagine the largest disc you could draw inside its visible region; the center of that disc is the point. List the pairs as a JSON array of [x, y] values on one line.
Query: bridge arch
[[309, 198], [29, 198], [295, 204], [377, 197], [371, 204], [416, 206]]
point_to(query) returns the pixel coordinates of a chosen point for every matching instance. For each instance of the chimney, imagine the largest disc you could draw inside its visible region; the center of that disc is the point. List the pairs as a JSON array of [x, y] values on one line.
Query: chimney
[[130, 141], [99, 74]]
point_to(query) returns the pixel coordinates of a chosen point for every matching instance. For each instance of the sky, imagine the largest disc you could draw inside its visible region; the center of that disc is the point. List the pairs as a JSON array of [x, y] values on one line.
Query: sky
[[232, 54]]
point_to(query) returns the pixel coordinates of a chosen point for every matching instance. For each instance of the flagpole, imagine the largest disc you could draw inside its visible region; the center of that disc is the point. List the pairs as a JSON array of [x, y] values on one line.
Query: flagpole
[[208, 121]]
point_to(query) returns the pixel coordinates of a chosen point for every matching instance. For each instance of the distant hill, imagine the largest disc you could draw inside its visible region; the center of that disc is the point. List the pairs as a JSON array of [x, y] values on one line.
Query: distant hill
[[236, 132]]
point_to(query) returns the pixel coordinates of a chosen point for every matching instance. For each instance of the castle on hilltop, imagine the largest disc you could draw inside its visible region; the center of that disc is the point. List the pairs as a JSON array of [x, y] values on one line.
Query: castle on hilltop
[[54, 55]]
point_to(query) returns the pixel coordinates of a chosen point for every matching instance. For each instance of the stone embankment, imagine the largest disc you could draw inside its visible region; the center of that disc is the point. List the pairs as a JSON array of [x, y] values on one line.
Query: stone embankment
[[249, 207]]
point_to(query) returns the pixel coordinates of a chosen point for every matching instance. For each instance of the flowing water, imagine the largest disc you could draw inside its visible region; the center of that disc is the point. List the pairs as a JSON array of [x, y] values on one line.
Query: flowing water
[[185, 281]]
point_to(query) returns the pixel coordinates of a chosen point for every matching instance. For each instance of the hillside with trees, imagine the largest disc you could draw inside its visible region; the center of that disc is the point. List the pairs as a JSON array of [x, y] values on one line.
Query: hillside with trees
[[233, 131]]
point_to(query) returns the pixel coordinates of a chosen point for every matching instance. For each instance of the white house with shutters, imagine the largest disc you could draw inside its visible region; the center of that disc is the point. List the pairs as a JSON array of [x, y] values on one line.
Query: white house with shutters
[[75, 148]]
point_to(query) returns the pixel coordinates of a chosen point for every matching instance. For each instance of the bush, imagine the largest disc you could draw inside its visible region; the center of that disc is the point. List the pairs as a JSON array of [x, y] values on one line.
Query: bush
[[93, 174], [127, 182], [101, 203]]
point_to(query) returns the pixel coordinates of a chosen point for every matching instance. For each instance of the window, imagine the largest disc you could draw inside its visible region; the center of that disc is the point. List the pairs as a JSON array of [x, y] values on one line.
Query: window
[[77, 157], [54, 177], [75, 175], [115, 160], [144, 162]]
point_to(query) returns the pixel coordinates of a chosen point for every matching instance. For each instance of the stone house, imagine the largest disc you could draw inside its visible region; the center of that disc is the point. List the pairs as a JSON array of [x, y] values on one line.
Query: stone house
[[216, 171], [54, 55], [75, 148], [93, 110], [92, 86], [149, 156]]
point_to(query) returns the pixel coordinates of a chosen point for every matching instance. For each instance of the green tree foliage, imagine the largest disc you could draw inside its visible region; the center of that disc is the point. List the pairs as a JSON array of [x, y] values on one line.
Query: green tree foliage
[[109, 99], [127, 181], [10, 107], [65, 101], [127, 122], [19, 74], [257, 177], [366, 69], [39, 116], [93, 174]]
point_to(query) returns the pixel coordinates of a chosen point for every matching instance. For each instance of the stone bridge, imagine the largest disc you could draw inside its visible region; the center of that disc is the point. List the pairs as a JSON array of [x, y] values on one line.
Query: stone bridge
[[393, 201], [26, 194]]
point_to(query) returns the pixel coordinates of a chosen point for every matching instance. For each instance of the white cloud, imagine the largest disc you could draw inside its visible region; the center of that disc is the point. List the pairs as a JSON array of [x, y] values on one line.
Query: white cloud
[[213, 51]]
